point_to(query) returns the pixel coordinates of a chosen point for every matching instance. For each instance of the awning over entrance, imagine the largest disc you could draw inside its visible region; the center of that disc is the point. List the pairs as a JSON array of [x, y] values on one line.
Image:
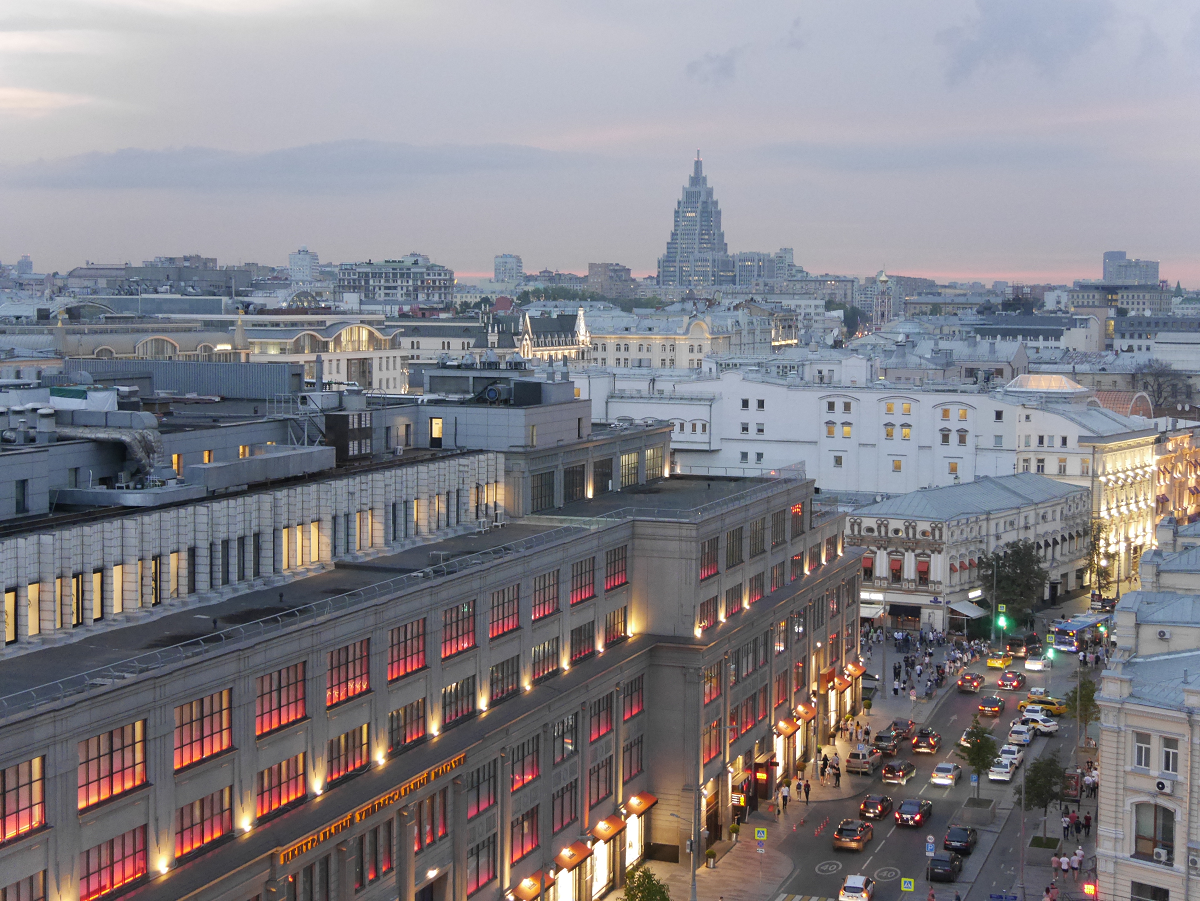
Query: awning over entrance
[[640, 803], [787, 727], [529, 888], [826, 678], [841, 683], [806, 712], [608, 827], [572, 856], [855, 669], [869, 611], [967, 609], [909, 610]]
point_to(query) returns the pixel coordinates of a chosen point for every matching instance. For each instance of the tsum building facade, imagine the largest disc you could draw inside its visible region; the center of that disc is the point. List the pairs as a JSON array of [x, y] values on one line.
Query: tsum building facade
[[517, 719]]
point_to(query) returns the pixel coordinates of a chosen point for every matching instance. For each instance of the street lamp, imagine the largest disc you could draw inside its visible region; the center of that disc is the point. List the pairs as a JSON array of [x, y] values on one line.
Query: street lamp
[[693, 842]]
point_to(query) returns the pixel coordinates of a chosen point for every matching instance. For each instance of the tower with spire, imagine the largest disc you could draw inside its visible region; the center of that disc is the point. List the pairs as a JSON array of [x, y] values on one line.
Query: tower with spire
[[697, 255]]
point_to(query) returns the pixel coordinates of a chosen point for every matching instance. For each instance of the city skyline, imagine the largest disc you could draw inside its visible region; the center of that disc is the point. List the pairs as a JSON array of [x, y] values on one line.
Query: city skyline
[[990, 140]]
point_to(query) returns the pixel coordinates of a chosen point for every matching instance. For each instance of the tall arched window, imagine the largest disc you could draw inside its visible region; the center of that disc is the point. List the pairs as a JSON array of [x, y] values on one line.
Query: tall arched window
[[1154, 833]]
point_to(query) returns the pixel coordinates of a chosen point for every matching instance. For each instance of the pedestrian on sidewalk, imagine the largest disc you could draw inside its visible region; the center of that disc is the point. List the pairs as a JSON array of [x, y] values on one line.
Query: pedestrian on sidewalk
[[895, 688], [1053, 865], [1075, 867], [1053, 891], [807, 791], [1064, 864], [932, 896], [1074, 818], [1066, 824], [1087, 825], [837, 777], [867, 732], [785, 794]]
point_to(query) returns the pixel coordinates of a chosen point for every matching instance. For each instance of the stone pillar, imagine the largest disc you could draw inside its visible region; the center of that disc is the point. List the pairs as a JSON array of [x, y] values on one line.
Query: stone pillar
[[619, 746], [342, 878], [458, 816], [585, 763], [504, 825]]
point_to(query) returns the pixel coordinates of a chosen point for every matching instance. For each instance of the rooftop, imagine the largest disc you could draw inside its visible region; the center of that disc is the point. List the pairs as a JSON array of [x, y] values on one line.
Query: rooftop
[[986, 495]]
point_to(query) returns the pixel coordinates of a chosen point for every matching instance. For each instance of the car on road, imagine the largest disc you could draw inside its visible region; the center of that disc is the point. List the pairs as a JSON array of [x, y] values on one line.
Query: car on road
[[1049, 704], [898, 772], [886, 743], [1038, 663], [1032, 710], [943, 867], [991, 706], [1020, 735], [852, 835], [865, 761], [875, 807], [946, 773], [970, 682], [1014, 754], [1039, 723], [1102, 605], [1011, 680], [962, 839], [903, 728], [857, 888], [913, 812], [926, 741], [999, 659], [965, 739], [1001, 771]]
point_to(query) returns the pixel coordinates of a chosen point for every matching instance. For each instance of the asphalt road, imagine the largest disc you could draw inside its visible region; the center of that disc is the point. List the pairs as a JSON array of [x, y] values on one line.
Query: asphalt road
[[899, 851]]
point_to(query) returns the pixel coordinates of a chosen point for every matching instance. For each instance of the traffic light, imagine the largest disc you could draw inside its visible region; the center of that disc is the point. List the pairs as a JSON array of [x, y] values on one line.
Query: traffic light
[[1050, 653], [1089, 889], [1001, 621]]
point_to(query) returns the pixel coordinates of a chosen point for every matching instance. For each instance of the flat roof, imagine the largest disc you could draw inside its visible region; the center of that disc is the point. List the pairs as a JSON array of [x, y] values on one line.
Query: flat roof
[[672, 497]]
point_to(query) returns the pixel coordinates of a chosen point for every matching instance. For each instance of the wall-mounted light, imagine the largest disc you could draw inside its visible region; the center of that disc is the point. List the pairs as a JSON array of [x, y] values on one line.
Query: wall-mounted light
[[317, 787], [246, 824], [528, 686], [433, 730], [163, 866], [380, 758], [429, 874]]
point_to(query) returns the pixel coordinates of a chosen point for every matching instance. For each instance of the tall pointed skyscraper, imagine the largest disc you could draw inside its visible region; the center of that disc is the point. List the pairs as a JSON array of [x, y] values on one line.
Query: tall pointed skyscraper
[[696, 254]]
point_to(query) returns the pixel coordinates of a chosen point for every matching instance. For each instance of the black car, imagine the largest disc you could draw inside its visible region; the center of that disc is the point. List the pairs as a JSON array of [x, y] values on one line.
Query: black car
[[960, 838], [943, 867], [887, 743], [926, 742], [971, 682], [903, 728], [875, 807], [914, 812], [899, 772]]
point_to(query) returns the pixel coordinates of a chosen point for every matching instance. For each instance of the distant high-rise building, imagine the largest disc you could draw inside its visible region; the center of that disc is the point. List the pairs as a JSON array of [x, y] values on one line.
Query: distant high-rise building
[[188, 261], [697, 255], [389, 285], [1119, 269], [754, 266], [611, 280], [508, 267], [303, 266], [25, 265]]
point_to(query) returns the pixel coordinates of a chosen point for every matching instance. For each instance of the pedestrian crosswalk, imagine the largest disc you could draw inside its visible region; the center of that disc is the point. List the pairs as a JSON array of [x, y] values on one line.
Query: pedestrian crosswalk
[[801, 898]]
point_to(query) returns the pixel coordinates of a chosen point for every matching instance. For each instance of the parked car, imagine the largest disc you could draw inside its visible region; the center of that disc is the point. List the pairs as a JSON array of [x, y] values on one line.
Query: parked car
[[1011, 680], [1020, 735], [1013, 754], [875, 807], [943, 867], [970, 682], [1001, 770], [962, 839], [991, 706], [857, 888], [898, 772], [913, 812], [903, 728], [852, 835], [946, 773], [865, 762], [886, 743], [926, 741]]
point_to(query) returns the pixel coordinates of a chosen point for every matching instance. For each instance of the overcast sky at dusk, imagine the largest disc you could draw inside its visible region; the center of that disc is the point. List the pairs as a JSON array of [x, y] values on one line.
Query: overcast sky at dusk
[[1012, 139]]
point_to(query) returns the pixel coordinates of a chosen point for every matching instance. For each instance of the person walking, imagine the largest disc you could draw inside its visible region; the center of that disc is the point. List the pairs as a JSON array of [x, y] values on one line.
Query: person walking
[[1074, 818], [785, 793], [1064, 864], [895, 688], [1066, 824], [1087, 825], [1053, 865], [1075, 867], [807, 791], [837, 776]]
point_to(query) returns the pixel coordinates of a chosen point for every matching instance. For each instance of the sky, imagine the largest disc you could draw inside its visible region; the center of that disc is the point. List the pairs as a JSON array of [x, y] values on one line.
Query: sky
[[1010, 139]]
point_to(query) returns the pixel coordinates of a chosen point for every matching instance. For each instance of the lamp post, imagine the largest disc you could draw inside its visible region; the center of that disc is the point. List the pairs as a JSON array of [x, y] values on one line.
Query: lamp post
[[695, 840]]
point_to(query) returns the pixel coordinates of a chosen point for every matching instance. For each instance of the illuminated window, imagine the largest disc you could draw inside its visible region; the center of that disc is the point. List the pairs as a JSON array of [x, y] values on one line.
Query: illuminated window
[[203, 821], [583, 641], [945, 413], [504, 679], [708, 613], [372, 855], [281, 785], [566, 738], [208, 456], [905, 432], [583, 580], [430, 820], [406, 649], [546, 658], [280, 699], [845, 430], [112, 864], [962, 414], [615, 627], [22, 798], [708, 558], [953, 468], [526, 763], [481, 789], [481, 865], [632, 698], [348, 673], [896, 466], [545, 595], [203, 728], [112, 763], [615, 574], [505, 614], [830, 430], [906, 409], [458, 701], [524, 834], [458, 629], [348, 754], [406, 726]]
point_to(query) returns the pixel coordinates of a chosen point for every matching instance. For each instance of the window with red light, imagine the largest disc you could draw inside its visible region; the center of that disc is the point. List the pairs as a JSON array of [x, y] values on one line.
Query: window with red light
[[778, 577], [565, 806], [632, 699], [458, 701], [708, 613], [710, 740], [749, 707], [631, 759], [524, 834], [349, 672], [733, 600], [600, 781], [616, 629], [526, 763], [203, 728], [481, 790], [506, 608], [481, 865], [280, 785], [545, 595], [781, 689], [764, 703], [31, 888], [429, 817], [204, 821], [22, 798], [797, 677], [712, 682], [112, 763], [602, 718], [546, 659], [406, 726], [615, 563], [504, 679], [406, 649], [458, 629], [814, 557], [583, 641], [709, 562], [797, 519], [583, 580], [348, 754], [372, 855], [112, 864], [280, 699], [756, 587]]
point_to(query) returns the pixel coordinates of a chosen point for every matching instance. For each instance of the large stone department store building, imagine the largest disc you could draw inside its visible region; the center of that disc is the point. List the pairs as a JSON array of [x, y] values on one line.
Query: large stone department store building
[[476, 711]]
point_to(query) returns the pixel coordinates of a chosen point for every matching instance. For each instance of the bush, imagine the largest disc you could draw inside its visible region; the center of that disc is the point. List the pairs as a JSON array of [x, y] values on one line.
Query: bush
[[710, 854], [642, 885], [734, 830]]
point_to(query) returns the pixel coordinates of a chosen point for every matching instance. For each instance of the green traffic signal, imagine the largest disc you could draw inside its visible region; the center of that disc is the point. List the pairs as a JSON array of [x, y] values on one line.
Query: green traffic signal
[[1050, 653], [1002, 622]]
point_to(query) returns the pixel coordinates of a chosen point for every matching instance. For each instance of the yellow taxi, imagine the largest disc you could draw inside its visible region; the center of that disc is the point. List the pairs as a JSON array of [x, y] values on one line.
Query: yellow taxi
[[999, 659], [1053, 706]]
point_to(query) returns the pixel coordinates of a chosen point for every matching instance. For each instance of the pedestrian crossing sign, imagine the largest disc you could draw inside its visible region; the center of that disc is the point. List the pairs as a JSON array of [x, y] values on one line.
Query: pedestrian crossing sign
[[760, 833], [908, 884]]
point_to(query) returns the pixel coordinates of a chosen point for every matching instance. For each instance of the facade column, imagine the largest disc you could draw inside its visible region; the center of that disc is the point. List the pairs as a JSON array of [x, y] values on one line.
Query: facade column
[[504, 821], [342, 878], [458, 816], [585, 763], [405, 856], [619, 746]]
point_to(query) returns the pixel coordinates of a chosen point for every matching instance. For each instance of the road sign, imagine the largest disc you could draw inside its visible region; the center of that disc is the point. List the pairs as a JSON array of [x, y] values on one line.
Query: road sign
[[908, 884], [737, 799], [760, 833], [912, 694], [974, 778], [861, 747], [1001, 896], [1002, 608], [930, 849], [761, 849]]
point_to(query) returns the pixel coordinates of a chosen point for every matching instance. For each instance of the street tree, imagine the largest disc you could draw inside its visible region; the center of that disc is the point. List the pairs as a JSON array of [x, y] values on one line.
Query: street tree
[[1081, 704], [642, 885], [1162, 383], [1097, 568], [1019, 580], [980, 753], [1043, 786]]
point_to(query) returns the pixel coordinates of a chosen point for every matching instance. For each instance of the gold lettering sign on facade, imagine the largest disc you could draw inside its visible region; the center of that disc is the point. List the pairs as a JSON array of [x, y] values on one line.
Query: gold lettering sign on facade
[[369, 810]]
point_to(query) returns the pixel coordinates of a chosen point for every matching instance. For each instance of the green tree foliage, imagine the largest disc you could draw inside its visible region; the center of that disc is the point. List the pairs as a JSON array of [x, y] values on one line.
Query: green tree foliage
[[642, 885], [1081, 704], [1101, 574], [1043, 786], [979, 756], [1020, 577], [854, 318]]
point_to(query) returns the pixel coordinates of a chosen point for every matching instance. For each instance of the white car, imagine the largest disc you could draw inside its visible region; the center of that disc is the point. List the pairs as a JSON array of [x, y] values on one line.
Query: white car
[[945, 774], [1040, 723], [1020, 735], [1014, 754], [1037, 664], [1001, 771], [1032, 710], [857, 888]]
